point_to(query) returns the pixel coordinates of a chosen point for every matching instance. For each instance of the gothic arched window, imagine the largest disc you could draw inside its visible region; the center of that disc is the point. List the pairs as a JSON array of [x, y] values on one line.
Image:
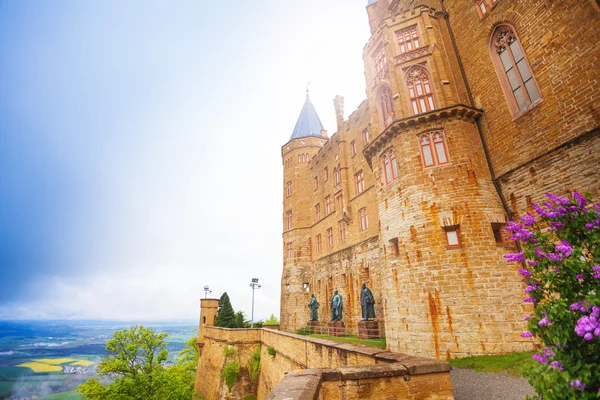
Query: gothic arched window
[[516, 78], [390, 167], [386, 106], [420, 91], [433, 149]]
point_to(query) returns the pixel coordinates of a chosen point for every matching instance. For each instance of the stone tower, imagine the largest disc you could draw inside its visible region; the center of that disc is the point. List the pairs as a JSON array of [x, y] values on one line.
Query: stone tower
[[448, 289], [307, 139]]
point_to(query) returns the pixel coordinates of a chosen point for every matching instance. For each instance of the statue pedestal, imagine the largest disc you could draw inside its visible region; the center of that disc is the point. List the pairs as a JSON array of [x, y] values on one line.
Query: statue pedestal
[[336, 328], [315, 327], [368, 330]]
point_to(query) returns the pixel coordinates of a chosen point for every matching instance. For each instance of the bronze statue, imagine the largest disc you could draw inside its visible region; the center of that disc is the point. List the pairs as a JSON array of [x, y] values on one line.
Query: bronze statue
[[314, 306], [336, 307], [367, 303]]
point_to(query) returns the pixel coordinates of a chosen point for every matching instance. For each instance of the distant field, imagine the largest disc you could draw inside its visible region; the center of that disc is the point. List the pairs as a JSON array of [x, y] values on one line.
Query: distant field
[[41, 367]]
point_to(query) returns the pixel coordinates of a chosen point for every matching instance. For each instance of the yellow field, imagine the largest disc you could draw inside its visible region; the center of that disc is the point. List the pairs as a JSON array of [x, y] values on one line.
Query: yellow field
[[41, 367], [82, 362], [55, 361]]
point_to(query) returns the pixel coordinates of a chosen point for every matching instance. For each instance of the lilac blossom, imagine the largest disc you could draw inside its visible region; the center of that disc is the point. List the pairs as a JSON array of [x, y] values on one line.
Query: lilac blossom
[[579, 277], [577, 383], [528, 219], [555, 257], [579, 199], [539, 253], [533, 263], [596, 269], [529, 300], [525, 273], [526, 334], [557, 225], [515, 257], [557, 364], [565, 248], [531, 288], [557, 199]]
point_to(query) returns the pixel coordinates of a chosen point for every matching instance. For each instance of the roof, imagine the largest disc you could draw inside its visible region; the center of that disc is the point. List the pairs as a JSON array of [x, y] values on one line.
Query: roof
[[308, 123]]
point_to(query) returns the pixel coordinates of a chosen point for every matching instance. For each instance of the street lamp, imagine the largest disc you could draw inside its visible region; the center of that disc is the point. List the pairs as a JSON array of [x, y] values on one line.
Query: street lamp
[[206, 291], [254, 285]]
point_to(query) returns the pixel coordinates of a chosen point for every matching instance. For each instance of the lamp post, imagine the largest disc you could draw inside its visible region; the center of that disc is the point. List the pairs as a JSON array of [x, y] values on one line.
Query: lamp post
[[254, 285], [206, 291]]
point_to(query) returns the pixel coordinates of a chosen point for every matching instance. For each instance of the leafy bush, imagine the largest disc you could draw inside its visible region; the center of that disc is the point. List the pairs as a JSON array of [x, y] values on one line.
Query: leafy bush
[[229, 351], [272, 320], [254, 364], [304, 331], [561, 268], [230, 373], [271, 351]]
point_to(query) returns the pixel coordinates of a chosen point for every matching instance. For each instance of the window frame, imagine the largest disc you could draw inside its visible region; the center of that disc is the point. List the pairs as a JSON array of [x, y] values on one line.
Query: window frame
[[328, 208], [413, 29], [288, 188], [498, 227], [317, 212], [502, 75], [319, 240], [289, 219], [290, 250], [433, 148], [363, 219], [353, 146], [359, 179], [456, 230], [330, 237], [342, 230], [429, 99], [391, 156]]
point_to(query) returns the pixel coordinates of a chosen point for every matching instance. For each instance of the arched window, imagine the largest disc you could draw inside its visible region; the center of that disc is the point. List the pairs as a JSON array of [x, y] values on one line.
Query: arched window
[[516, 79], [420, 91], [386, 106], [390, 167], [337, 178], [433, 149]]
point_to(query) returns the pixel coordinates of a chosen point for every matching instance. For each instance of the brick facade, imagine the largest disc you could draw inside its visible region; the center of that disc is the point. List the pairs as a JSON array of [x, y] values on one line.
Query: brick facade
[[433, 298]]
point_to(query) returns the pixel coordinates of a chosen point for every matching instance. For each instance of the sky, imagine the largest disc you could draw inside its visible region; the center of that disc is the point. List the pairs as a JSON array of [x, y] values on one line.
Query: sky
[[140, 148]]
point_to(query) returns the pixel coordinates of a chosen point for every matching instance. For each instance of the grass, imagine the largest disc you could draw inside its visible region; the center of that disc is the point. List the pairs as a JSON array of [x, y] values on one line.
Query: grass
[[353, 340], [513, 363], [73, 395]]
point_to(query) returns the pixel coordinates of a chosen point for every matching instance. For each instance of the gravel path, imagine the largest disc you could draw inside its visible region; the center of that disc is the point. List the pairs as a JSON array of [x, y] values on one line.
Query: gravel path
[[471, 385]]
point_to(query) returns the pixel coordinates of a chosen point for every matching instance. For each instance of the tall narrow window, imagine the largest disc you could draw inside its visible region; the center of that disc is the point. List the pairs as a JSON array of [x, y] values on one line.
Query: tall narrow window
[[360, 182], [330, 237], [319, 242], [386, 106], [390, 168], [316, 182], [288, 217], [481, 7], [288, 188], [290, 251], [340, 202], [433, 149], [380, 59], [353, 145], [326, 173], [366, 136], [317, 212], [342, 230], [363, 219], [408, 39], [337, 178], [419, 90], [515, 75], [498, 235], [327, 205]]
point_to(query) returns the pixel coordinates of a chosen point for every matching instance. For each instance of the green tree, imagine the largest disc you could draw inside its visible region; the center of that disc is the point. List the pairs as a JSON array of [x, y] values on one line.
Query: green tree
[[135, 361], [226, 317], [272, 320]]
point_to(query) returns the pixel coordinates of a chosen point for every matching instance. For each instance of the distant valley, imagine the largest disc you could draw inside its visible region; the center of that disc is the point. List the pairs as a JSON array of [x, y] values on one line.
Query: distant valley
[[49, 359]]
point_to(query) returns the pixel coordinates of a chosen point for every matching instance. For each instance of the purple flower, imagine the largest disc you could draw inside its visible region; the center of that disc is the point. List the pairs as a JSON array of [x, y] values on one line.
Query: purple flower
[[526, 334], [555, 257], [528, 219], [531, 262], [557, 224], [577, 383], [515, 257], [543, 322], [539, 253], [557, 199], [565, 248], [596, 269], [573, 208], [526, 317], [593, 224], [580, 277], [539, 210], [525, 273], [512, 226], [540, 358], [529, 300], [588, 336], [557, 364], [579, 199], [531, 288]]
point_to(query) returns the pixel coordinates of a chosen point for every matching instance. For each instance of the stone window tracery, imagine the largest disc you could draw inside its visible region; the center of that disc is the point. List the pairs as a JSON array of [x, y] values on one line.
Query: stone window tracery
[[288, 187], [360, 182], [290, 251], [514, 72], [330, 237], [386, 107], [342, 230], [288, 216], [319, 243], [380, 59], [390, 167], [317, 212], [420, 91], [408, 39], [434, 150], [328, 209], [337, 178]]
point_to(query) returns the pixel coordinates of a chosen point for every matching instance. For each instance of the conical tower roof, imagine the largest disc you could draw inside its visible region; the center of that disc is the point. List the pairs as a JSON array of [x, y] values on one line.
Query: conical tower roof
[[308, 123]]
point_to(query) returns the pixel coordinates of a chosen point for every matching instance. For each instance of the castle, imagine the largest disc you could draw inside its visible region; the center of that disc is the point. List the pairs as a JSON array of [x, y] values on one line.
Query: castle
[[475, 109]]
